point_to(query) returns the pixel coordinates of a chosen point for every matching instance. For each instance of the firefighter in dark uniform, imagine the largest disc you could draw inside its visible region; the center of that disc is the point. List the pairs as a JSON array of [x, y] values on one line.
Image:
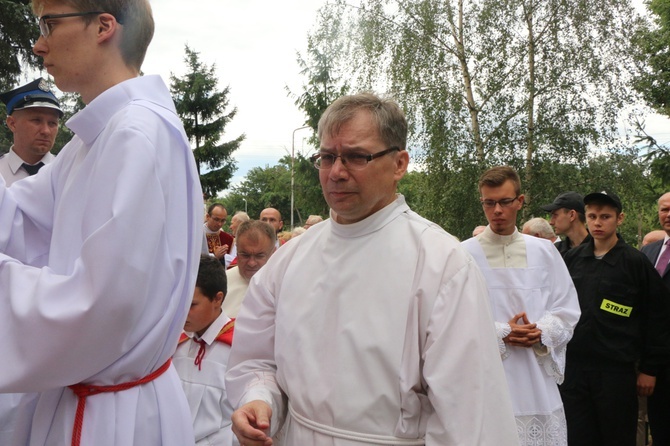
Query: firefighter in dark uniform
[[625, 322]]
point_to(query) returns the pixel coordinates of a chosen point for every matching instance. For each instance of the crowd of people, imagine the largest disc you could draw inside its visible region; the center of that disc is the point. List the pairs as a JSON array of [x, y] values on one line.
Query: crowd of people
[[372, 326]]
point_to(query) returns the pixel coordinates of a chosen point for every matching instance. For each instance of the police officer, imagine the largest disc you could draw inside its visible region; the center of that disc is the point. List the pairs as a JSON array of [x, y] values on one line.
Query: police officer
[[32, 116]]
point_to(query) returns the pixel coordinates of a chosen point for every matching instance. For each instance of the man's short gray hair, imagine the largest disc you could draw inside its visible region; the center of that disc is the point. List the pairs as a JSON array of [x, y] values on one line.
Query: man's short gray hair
[[541, 227]]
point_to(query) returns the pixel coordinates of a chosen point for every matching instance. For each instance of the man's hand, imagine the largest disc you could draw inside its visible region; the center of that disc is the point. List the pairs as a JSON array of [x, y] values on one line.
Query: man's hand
[[251, 424], [645, 384], [524, 334], [220, 251]]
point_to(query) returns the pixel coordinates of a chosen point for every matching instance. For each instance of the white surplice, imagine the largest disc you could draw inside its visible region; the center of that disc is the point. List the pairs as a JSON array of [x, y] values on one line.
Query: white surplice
[[237, 288], [98, 257], [377, 332], [204, 385], [527, 274]]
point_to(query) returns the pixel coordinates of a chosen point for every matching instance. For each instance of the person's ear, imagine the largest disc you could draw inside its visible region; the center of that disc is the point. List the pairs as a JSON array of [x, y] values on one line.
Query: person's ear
[[11, 123], [107, 26], [219, 297], [521, 199], [401, 164]]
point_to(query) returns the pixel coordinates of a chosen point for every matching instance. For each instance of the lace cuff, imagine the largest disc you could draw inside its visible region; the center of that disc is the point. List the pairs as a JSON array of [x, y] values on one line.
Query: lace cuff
[[555, 336], [502, 330]]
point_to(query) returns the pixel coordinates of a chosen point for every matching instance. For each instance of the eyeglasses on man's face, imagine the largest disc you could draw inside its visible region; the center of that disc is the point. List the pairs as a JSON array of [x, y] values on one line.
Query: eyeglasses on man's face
[[504, 203], [46, 22], [350, 160], [246, 256]]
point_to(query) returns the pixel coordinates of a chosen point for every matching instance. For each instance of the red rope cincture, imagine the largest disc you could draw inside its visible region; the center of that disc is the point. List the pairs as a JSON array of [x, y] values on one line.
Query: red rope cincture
[[85, 390], [201, 353]]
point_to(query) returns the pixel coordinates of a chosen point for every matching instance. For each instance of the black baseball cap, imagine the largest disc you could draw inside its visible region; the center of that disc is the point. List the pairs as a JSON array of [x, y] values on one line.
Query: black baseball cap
[[604, 197], [566, 200], [35, 94]]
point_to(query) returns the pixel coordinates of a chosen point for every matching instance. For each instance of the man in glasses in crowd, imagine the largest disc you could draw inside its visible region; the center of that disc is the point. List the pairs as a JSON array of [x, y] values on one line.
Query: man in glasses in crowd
[[535, 308], [95, 293], [373, 326], [219, 242], [255, 242]]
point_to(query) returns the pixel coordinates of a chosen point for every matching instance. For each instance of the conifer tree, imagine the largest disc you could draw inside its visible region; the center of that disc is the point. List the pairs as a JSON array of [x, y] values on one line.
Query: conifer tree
[[203, 110]]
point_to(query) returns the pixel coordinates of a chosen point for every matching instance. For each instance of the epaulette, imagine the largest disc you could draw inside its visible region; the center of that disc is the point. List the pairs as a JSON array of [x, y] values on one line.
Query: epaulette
[[226, 333]]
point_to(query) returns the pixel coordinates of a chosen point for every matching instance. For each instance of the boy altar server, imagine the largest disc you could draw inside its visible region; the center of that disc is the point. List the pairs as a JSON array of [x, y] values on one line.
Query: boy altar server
[[201, 358]]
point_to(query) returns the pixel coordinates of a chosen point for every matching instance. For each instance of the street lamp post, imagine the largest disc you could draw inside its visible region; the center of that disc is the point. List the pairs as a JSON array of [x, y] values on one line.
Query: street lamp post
[[245, 205], [293, 168]]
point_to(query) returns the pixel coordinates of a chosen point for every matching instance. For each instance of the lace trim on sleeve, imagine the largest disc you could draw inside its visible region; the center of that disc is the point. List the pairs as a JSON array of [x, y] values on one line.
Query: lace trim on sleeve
[[502, 330], [555, 336]]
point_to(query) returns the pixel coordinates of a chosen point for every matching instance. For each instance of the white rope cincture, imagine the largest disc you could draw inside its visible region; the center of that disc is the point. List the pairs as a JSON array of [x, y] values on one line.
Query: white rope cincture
[[353, 436]]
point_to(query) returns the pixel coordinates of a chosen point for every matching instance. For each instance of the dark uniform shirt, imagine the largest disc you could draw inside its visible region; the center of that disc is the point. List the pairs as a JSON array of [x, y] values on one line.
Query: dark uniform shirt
[[625, 309], [565, 245]]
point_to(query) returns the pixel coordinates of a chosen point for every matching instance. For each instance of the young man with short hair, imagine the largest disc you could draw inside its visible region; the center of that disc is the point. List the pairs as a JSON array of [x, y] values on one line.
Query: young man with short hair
[[201, 358], [101, 248], [534, 305], [625, 323], [567, 219]]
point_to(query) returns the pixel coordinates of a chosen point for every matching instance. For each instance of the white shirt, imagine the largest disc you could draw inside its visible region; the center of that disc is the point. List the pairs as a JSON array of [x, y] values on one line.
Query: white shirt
[[205, 387], [527, 274], [101, 250], [376, 330], [237, 288], [11, 166]]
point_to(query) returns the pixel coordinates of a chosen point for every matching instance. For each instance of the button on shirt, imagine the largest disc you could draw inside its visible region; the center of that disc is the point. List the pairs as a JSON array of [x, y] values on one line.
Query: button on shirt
[[512, 254]]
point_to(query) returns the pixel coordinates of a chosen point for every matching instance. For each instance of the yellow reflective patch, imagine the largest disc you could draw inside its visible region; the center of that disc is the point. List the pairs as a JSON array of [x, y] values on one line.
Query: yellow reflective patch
[[615, 308]]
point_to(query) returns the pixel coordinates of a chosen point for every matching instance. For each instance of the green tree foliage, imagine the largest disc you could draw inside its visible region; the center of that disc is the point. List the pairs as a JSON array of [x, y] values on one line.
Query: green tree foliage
[[262, 187], [653, 57], [620, 169], [324, 83], [201, 107], [308, 194], [653, 82], [270, 187], [321, 68], [70, 103], [518, 82], [18, 33]]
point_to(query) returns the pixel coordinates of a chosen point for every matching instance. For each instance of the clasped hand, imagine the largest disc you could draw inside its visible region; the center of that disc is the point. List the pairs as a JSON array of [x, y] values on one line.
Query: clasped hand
[[523, 334]]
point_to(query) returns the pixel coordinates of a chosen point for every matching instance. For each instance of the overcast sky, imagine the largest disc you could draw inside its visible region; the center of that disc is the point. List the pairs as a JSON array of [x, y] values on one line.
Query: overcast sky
[[253, 44]]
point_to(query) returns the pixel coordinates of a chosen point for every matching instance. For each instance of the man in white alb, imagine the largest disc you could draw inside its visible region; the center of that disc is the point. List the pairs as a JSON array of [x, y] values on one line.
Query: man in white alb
[[94, 294], [339, 343], [535, 308]]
